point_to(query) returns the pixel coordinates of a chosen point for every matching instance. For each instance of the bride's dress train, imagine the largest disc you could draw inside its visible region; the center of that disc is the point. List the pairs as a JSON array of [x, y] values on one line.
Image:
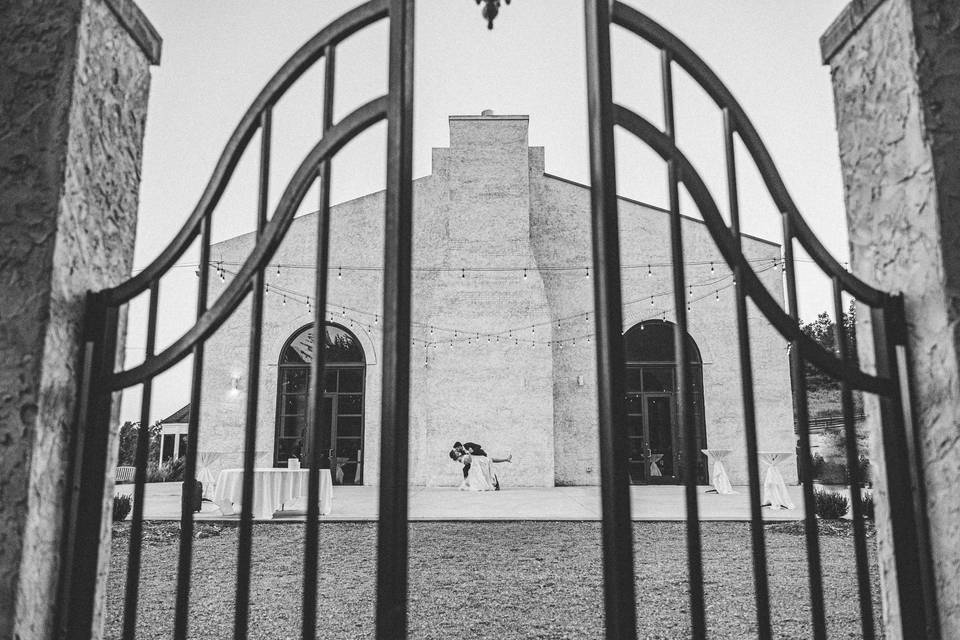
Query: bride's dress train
[[481, 476]]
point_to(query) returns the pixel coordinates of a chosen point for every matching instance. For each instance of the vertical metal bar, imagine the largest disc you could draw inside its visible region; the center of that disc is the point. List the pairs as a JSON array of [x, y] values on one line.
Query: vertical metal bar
[[318, 427], [392, 552], [185, 559], [760, 578], [916, 590], [245, 541], [799, 376], [140, 479], [81, 549], [853, 469], [691, 452], [617, 530]]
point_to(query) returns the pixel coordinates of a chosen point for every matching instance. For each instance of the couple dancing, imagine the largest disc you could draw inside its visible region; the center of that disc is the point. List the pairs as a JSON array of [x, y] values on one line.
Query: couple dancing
[[477, 473]]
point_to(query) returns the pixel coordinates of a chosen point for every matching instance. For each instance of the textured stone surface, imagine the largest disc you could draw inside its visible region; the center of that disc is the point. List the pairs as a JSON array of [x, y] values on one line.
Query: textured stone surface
[[898, 111], [72, 111], [489, 204]]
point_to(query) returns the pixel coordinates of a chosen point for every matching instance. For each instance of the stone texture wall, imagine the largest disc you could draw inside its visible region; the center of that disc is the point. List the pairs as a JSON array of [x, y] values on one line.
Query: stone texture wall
[[72, 112], [898, 112], [489, 204]]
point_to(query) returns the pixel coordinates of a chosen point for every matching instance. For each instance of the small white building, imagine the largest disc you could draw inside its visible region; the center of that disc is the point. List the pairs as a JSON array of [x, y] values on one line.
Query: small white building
[[503, 350]]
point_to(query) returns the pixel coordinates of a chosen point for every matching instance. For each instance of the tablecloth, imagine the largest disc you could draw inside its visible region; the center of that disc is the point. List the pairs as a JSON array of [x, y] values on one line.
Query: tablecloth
[[272, 489], [718, 476], [773, 492]]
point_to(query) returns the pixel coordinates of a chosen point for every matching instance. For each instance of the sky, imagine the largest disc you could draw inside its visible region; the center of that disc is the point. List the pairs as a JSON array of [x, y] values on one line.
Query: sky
[[217, 55]]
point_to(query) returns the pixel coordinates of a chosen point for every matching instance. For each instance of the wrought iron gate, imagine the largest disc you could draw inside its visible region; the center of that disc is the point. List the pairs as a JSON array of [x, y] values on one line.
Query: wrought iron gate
[[890, 382]]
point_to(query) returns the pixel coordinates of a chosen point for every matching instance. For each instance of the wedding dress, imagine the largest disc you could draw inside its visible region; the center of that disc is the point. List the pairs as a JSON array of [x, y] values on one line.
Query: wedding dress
[[481, 476]]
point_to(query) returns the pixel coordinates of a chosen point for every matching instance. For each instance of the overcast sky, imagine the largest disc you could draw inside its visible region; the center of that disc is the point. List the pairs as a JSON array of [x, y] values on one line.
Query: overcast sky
[[217, 55]]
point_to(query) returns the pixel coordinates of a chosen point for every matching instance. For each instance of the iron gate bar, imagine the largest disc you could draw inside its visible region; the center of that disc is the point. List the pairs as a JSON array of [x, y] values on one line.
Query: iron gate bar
[[334, 33], [140, 478], [245, 534], [853, 470], [913, 563], [725, 243], [617, 528], [394, 439], [761, 587], [81, 551], [341, 133], [181, 613], [799, 377], [691, 450], [318, 429], [639, 24]]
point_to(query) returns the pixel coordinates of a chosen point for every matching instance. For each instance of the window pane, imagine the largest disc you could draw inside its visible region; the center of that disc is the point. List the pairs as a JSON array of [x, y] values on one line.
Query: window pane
[[651, 341], [351, 380], [347, 404], [658, 379], [635, 403], [330, 381], [348, 427], [348, 447], [633, 379], [295, 404], [339, 346], [293, 426], [635, 426], [294, 379]]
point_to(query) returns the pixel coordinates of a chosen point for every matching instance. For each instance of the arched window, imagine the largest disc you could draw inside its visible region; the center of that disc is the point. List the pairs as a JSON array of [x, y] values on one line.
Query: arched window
[[653, 428], [341, 401]]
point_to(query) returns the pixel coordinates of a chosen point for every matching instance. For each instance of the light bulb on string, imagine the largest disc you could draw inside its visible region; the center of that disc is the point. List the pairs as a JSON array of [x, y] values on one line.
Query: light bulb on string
[[266, 289], [588, 339], [651, 301], [278, 269], [690, 292], [649, 271], [524, 274], [586, 318], [711, 269], [339, 273], [717, 292], [463, 273], [284, 299], [376, 319], [588, 273], [343, 311], [197, 271], [558, 323]]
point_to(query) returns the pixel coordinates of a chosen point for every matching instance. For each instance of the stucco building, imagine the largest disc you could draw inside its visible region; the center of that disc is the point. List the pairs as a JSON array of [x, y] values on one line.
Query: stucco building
[[503, 351]]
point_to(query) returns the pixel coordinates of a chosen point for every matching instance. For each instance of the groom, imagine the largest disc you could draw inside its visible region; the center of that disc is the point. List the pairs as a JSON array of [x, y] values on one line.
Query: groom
[[468, 447]]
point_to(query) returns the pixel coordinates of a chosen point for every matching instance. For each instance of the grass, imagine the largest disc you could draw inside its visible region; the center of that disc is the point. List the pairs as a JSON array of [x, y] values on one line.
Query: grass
[[490, 580]]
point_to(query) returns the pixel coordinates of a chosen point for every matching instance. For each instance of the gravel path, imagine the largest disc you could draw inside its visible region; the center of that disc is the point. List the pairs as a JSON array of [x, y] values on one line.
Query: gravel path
[[489, 580]]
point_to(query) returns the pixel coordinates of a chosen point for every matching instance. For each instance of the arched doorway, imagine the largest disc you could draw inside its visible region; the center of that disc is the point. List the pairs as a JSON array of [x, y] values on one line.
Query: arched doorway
[[342, 399], [656, 441]]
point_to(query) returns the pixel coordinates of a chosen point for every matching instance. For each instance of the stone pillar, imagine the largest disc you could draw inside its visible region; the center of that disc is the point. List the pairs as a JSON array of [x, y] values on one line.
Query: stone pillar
[[74, 80], [895, 67]]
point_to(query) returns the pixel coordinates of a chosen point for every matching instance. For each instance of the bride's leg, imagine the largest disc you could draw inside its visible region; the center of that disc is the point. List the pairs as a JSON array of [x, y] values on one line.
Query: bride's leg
[[509, 458]]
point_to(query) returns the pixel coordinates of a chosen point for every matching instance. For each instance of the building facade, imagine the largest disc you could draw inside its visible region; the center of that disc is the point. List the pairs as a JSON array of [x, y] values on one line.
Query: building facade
[[503, 351]]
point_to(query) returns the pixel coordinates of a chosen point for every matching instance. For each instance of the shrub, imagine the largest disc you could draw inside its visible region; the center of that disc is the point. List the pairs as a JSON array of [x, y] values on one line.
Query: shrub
[[169, 471], [868, 505], [830, 505], [121, 507]]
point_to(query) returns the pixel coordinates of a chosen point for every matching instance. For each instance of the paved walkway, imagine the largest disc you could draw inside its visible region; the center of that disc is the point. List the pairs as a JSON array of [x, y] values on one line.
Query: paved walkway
[[352, 503]]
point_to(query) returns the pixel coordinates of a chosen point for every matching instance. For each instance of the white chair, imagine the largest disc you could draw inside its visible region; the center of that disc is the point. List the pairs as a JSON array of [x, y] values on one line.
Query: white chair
[[124, 474]]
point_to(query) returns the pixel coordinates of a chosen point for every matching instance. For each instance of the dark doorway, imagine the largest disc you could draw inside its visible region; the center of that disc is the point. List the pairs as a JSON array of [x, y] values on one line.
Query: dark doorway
[[656, 440]]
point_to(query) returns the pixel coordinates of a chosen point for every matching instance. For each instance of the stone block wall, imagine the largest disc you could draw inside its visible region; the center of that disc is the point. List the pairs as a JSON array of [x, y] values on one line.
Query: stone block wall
[[75, 78], [894, 70]]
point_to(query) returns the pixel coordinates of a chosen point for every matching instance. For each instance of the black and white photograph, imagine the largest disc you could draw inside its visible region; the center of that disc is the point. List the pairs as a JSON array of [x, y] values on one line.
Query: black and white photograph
[[533, 319]]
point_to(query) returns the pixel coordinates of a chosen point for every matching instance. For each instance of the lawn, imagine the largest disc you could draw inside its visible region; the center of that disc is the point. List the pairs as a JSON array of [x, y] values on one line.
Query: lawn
[[490, 580]]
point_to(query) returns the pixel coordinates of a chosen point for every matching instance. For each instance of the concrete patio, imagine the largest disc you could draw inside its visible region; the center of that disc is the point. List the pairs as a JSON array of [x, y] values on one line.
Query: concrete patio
[[359, 503]]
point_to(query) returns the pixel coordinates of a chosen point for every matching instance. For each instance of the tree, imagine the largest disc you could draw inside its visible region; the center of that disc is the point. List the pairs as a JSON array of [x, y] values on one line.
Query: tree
[[129, 433], [823, 332]]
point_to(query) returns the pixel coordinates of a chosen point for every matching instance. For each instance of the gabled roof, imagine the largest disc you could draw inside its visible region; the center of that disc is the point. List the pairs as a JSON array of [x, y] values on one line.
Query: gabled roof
[[181, 415]]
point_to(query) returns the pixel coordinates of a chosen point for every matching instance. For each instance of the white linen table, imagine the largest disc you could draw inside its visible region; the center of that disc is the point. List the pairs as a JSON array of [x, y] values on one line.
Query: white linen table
[[205, 463], [718, 477], [272, 488], [773, 492]]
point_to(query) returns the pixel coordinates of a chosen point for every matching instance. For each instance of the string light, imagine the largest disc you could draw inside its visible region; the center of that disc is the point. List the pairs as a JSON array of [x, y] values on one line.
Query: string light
[[717, 292], [711, 268], [339, 273], [651, 301], [649, 271], [463, 273], [588, 273], [284, 299], [524, 274], [376, 319]]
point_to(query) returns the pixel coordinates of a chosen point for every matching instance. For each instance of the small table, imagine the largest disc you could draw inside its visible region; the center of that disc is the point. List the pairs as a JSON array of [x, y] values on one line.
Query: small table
[[654, 467], [205, 464], [272, 488], [773, 492], [718, 477]]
